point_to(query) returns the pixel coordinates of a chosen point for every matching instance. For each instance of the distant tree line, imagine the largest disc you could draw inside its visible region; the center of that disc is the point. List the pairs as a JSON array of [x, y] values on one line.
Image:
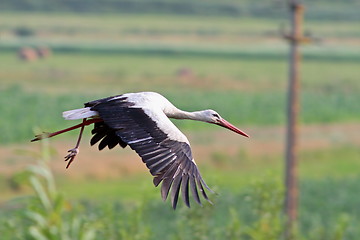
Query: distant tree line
[[319, 9]]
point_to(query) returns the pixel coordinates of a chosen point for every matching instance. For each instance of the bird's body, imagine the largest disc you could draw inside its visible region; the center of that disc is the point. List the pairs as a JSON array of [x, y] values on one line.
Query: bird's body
[[154, 106], [141, 120]]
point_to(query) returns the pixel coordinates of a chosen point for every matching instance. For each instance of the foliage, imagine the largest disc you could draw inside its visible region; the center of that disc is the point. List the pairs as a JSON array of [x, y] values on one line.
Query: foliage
[[48, 212], [266, 198], [254, 214]]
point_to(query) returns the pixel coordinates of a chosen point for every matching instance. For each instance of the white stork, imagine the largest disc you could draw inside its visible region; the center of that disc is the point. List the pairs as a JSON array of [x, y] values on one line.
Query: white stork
[[141, 120]]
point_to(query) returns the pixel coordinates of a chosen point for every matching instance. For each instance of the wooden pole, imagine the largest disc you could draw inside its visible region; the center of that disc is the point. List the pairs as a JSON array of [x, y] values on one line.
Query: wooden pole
[[293, 106]]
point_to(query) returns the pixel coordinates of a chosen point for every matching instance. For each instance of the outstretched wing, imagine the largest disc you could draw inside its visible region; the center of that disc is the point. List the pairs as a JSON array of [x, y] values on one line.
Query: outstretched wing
[[169, 161]]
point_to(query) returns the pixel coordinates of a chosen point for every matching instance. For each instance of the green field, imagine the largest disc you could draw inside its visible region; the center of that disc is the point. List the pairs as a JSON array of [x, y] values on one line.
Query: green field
[[249, 204], [235, 65], [235, 87]]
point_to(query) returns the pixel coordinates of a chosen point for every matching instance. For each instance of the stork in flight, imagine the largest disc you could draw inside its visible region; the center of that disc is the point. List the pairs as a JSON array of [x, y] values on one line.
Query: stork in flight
[[141, 120]]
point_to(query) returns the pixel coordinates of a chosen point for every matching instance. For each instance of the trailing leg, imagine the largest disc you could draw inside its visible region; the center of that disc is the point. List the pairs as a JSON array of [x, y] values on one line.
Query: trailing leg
[[49, 135], [74, 151]]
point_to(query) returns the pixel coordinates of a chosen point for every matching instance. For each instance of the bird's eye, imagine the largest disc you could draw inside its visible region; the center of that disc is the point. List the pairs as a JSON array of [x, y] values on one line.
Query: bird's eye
[[216, 115]]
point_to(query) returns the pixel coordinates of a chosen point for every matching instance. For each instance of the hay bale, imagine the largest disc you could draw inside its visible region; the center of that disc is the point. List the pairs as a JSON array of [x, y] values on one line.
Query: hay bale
[[43, 52], [184, 73], [27, 54]]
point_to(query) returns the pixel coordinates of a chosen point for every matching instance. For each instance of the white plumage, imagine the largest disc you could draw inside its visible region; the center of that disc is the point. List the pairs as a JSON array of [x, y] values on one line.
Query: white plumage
[[80, 113]]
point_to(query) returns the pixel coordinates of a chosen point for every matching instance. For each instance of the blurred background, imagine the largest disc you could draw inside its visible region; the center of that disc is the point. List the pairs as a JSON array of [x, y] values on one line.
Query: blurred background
[[225, 55]]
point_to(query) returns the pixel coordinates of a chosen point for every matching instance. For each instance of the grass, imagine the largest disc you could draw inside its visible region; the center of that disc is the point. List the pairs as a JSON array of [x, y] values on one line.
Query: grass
[[338, 162], [251, 212], [330, 88], [267, 108], [114, 26], [104, 73], [225, 172], [319, 10], [110, 218]]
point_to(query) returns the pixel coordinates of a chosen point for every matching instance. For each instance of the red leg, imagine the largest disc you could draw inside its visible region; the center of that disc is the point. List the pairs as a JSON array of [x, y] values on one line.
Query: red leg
[[49, 135], [74, 151]]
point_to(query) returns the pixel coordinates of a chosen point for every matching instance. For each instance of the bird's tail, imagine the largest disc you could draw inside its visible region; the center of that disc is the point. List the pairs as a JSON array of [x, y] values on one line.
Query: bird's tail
[[79, 114]]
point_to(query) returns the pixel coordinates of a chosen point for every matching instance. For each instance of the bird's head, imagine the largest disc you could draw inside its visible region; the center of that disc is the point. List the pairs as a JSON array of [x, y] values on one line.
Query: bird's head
[[212, 116]]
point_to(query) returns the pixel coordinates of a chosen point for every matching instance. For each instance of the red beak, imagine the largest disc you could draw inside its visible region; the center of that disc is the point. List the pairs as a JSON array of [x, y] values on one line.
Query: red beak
[[226, 124]]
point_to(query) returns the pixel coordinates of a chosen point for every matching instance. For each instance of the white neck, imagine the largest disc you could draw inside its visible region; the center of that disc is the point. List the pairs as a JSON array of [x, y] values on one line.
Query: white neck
[[179, 114]]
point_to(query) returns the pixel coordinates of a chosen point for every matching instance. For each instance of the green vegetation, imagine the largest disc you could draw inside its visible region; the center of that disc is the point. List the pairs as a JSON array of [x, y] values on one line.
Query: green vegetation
[[251, 211], [264, 108], [113, 29], [334, 10], [221, 83]]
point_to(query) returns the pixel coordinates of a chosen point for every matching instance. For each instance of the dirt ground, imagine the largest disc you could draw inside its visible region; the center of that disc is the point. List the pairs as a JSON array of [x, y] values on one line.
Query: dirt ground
[[112, 164]]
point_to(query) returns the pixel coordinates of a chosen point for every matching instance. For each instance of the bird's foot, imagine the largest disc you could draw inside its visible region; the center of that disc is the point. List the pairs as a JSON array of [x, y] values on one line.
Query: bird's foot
[[70, 157], [41, 136]]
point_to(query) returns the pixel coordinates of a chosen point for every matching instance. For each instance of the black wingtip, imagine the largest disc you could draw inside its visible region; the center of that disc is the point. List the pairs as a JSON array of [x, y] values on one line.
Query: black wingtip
[[194, 190], [175, 189], [165, 188], [185, 190]]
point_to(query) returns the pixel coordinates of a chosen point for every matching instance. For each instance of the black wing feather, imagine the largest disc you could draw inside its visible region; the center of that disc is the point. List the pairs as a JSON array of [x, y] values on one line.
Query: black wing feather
[[169, 161], [194, 190], [104, 142], [185, 190], [97, 137], [107, 136], [175, 188]]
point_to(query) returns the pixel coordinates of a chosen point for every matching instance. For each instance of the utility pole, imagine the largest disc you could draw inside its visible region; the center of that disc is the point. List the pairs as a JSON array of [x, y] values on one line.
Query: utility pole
[[295, 38]]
